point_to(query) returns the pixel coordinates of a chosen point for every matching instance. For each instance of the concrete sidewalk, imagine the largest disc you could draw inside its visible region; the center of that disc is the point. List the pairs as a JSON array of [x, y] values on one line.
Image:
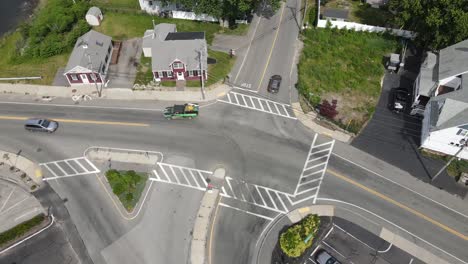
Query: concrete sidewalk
[[195, 95]]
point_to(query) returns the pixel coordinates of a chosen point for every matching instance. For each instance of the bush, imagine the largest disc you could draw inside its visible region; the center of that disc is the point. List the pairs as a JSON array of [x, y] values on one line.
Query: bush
[[20, 229], [297, 238], [127, 185]]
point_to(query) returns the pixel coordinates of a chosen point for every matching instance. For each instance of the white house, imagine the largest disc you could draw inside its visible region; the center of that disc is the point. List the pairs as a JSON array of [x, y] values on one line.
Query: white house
[[441, 96], [94, 16], [156, 7]]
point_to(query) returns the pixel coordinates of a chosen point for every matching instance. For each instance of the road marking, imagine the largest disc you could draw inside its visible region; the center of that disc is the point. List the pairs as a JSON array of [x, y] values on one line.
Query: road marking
[[8, 198], [349, 234], [25, 214], [83, 106], [80, 121], [402, 206], [395, 225], [386, 250], [248, 49], [13, 206], [332, 248], [247, 212], [177, 179], [396, 183], [272, 47], [234, 95], [67, 163]]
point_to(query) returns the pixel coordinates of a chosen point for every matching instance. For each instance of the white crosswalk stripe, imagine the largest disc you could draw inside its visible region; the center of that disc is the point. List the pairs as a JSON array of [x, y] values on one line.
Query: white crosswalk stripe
[[314, 167], [68, 168], [183, 176], [259, 104]]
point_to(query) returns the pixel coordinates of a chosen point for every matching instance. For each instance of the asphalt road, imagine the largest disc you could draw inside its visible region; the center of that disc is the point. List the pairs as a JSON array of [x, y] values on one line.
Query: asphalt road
[[258, 150]]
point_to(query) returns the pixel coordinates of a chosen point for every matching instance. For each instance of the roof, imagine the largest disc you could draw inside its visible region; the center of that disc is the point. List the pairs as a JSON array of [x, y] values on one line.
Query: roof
[[450, 109], [453, 60], [168, 46], [185, 35], [429, 75], [336, 13], [94, 11], [89, 52]]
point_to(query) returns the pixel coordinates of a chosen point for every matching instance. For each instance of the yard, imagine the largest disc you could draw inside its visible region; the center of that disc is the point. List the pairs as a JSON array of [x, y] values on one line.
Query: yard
[[361, 12], [346, 66]]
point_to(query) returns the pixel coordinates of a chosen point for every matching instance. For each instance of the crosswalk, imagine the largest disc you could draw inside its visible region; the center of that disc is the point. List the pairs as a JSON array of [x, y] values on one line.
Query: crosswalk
[[68, 168], [314, 167], [259, 104], [179, 175]]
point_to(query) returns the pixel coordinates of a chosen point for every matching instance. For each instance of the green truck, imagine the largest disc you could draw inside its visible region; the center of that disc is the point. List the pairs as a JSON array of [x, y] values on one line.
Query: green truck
[[181, 111]]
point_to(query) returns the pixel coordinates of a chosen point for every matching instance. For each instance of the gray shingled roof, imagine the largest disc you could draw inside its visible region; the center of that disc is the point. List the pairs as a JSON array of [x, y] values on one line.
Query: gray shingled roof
[[454, 111], [429, 75], [94, 11], [93, 55], [183, 46], [453, 60], [336, 13]]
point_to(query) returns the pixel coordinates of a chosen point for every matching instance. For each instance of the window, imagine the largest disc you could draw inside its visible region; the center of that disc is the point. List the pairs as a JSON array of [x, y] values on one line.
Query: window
[[190, 73], [107, 58], [195, 73], [164, 74], [177, 65], [160, 74], [93, 77], [74, 77], [109, 50], [462, 132], [198, 72], [84, 77], [169, 74]]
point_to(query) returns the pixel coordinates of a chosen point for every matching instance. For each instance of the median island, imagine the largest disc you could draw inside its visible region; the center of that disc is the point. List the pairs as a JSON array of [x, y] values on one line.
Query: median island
[[127, 185]]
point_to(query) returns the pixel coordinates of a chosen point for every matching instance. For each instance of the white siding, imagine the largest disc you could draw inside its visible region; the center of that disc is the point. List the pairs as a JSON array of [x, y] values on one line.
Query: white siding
[[441, 141]]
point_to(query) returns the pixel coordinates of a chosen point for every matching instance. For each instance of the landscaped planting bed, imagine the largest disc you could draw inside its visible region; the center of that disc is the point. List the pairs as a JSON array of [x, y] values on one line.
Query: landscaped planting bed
[[299, 237], [127, 185]]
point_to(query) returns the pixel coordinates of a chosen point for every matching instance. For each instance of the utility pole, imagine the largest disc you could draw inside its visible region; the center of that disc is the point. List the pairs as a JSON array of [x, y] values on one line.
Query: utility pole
[[202, 74], [463, 143]]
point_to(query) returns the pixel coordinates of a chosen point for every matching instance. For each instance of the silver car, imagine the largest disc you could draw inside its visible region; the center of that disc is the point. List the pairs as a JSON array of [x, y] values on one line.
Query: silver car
[[323, 257], [41, 125]]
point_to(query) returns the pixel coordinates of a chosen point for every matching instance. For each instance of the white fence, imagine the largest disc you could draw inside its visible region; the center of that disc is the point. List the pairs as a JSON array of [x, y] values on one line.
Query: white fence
[[192, 16], [322, 23]]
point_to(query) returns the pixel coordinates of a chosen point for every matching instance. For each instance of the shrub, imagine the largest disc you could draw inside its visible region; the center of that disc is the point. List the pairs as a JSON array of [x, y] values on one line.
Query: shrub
[[297, 238], [20, 229]]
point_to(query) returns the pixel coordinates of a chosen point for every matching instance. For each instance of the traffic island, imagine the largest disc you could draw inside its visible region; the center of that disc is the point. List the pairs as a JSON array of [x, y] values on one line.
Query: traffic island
[[127, 186]]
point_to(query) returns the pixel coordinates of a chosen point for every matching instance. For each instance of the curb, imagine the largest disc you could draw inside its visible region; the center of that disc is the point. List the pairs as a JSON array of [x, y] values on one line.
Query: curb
[[391, 237], [202, 226]]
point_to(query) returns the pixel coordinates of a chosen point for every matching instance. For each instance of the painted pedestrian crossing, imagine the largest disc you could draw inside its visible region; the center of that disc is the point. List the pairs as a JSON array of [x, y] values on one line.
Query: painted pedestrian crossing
[[314, 167], [259, 104], [68, 168], [179, 175]]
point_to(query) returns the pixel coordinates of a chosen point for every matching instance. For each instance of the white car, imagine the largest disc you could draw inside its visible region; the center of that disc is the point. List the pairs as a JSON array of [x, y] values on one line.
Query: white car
[[323, 257]]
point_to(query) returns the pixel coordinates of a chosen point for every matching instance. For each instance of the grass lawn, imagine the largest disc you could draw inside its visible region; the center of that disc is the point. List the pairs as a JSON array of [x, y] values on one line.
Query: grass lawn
[[127, 4], [144, 73], [127, 185], [217, 71], [46, 68], [122, 26], [346, 66]]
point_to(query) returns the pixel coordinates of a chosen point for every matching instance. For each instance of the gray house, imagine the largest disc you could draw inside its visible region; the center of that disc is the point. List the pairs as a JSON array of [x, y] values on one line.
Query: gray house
[[176, 55], [89, 60]]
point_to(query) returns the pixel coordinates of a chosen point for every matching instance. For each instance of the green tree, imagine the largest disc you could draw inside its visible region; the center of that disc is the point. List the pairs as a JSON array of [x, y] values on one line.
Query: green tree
[[438, 23]]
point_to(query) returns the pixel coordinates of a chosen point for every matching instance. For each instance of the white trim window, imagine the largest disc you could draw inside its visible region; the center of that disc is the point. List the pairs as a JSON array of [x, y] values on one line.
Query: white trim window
[[84, 77], [93, 77], [169, 74], [199, 72], [462, 132], [74, 77], [160, 74], [177, 65], [190, 73]]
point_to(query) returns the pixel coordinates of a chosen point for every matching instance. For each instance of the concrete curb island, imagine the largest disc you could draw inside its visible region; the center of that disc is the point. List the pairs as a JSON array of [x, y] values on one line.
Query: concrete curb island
[[330, 210], [24, 165]]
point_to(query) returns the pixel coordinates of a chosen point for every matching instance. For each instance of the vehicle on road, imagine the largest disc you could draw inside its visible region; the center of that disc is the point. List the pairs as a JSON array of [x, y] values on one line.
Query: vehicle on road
[[181, 111], [400, 98], [323, 257], [274, 84], [41, 125]]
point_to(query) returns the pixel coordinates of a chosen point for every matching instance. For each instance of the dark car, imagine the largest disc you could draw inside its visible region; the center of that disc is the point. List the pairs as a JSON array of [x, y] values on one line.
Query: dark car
[[400, 97], [41, 125], [323, 257], [274, 84]]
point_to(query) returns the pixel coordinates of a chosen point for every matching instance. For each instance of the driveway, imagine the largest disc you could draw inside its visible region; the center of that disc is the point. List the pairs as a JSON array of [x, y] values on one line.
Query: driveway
[[395, 138], [122, 74]]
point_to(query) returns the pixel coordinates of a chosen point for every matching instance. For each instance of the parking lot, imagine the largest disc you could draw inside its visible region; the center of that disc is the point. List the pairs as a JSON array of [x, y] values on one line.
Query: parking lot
[[395, 137], [351, 244]]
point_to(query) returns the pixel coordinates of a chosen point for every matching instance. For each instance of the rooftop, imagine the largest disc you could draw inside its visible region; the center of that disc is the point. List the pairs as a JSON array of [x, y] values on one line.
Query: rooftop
[[336, 13]]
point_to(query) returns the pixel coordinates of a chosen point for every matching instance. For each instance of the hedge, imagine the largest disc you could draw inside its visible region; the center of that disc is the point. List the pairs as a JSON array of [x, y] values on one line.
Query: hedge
[[299, 237], [20, 229]]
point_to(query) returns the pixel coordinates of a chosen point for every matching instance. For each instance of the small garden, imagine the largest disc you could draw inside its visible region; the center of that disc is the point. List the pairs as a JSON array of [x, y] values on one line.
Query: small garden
[[127, 185], [299, 237], [340, 73], [21, 229]]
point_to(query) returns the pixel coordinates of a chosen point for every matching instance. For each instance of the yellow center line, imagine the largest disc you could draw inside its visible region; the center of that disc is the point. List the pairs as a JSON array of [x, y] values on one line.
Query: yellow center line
[[272, 47], [81, 121], [402, 206]]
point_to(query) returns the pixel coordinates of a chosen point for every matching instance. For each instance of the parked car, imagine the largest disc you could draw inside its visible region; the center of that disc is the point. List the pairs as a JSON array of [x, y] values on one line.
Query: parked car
[[41, 125], [274, 84], [323, 257], [400, 97]]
